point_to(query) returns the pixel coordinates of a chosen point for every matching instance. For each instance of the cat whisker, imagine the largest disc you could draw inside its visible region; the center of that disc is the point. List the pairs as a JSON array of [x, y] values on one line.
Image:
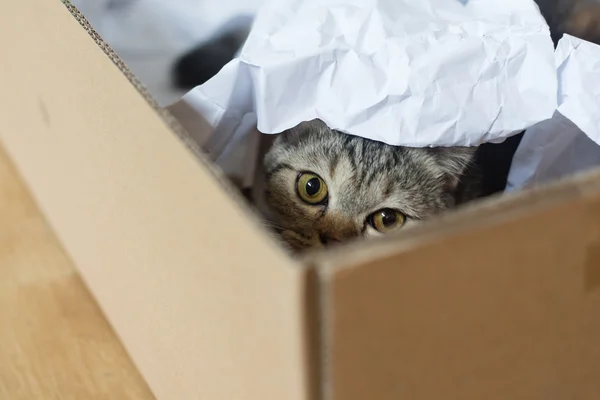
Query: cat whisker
[[273, 225]]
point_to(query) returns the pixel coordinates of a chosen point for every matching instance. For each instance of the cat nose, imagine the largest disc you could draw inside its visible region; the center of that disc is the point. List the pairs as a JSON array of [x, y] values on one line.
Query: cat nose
[[327, 240]]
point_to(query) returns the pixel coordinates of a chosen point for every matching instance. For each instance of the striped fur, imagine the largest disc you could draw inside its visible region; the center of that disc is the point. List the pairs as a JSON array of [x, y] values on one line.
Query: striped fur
[[362, 176]]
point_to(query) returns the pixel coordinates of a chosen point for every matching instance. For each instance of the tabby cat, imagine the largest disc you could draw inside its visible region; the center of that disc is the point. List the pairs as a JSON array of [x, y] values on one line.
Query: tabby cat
[[323, 187]]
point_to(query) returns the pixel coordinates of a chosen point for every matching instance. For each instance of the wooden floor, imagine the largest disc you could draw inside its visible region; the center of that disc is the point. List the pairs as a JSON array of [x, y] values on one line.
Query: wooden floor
[[54, 341]]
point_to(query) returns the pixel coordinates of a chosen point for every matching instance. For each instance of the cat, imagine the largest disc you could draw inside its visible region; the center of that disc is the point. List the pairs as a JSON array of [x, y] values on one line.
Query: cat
[[323, 187]]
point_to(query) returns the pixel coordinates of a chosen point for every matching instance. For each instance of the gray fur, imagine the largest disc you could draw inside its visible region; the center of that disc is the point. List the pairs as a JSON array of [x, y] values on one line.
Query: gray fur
[[362, 176]]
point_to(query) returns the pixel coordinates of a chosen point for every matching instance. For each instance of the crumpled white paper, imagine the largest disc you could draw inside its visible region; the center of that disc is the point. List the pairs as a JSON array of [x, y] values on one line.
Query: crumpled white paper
[[570, 141], [413, 73], [404, 72]]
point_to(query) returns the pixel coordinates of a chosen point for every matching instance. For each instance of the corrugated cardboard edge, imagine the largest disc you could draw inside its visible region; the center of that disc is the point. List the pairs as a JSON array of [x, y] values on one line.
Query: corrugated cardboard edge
[[308, 283], [188, 139]]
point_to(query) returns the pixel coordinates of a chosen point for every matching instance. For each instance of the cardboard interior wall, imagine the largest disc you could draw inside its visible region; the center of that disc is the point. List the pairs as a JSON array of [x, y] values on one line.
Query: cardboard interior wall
[[497, 302]]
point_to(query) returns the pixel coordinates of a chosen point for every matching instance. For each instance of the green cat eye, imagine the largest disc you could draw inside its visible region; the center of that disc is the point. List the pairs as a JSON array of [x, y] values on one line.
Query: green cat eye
[[311, 188], [386, 220]]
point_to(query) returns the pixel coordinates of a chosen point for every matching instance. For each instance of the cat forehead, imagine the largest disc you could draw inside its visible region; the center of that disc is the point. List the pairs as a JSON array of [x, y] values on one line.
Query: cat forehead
[[330, 152], [353, 188]]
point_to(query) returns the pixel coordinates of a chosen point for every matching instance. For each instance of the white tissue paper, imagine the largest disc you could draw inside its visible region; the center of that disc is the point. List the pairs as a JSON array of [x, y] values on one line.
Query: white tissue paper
[[570, 141], [404, 72]]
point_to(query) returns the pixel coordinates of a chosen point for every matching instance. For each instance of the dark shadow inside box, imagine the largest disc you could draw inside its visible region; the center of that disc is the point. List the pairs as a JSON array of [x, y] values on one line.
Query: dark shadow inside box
[[580, 18], [495, 160]]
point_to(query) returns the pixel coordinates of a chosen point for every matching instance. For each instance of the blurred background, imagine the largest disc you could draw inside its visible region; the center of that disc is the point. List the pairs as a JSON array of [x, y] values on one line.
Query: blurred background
[[151, 36]]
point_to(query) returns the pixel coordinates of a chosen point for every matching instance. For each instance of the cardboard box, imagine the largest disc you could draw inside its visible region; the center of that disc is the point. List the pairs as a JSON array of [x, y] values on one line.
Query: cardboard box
[[498, 301]]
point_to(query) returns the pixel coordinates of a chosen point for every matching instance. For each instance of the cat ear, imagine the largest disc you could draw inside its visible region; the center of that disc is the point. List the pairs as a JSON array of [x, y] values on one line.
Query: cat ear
[[454, 161], [294, 135]]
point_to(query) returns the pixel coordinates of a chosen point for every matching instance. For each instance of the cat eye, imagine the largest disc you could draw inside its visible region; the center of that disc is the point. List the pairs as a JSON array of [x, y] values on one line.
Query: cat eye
[[311, 188], [386, 220]]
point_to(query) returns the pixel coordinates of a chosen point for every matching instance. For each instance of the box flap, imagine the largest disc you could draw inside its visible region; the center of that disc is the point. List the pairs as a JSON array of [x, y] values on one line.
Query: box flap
[[505, 306], [206, 306]]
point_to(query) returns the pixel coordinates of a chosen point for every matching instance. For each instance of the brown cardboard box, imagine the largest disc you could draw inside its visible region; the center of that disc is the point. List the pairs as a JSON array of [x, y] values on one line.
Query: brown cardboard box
[[498, 301]]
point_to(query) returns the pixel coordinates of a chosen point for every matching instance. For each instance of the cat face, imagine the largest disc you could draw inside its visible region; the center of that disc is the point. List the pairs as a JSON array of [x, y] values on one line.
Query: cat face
[[324, 187]]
